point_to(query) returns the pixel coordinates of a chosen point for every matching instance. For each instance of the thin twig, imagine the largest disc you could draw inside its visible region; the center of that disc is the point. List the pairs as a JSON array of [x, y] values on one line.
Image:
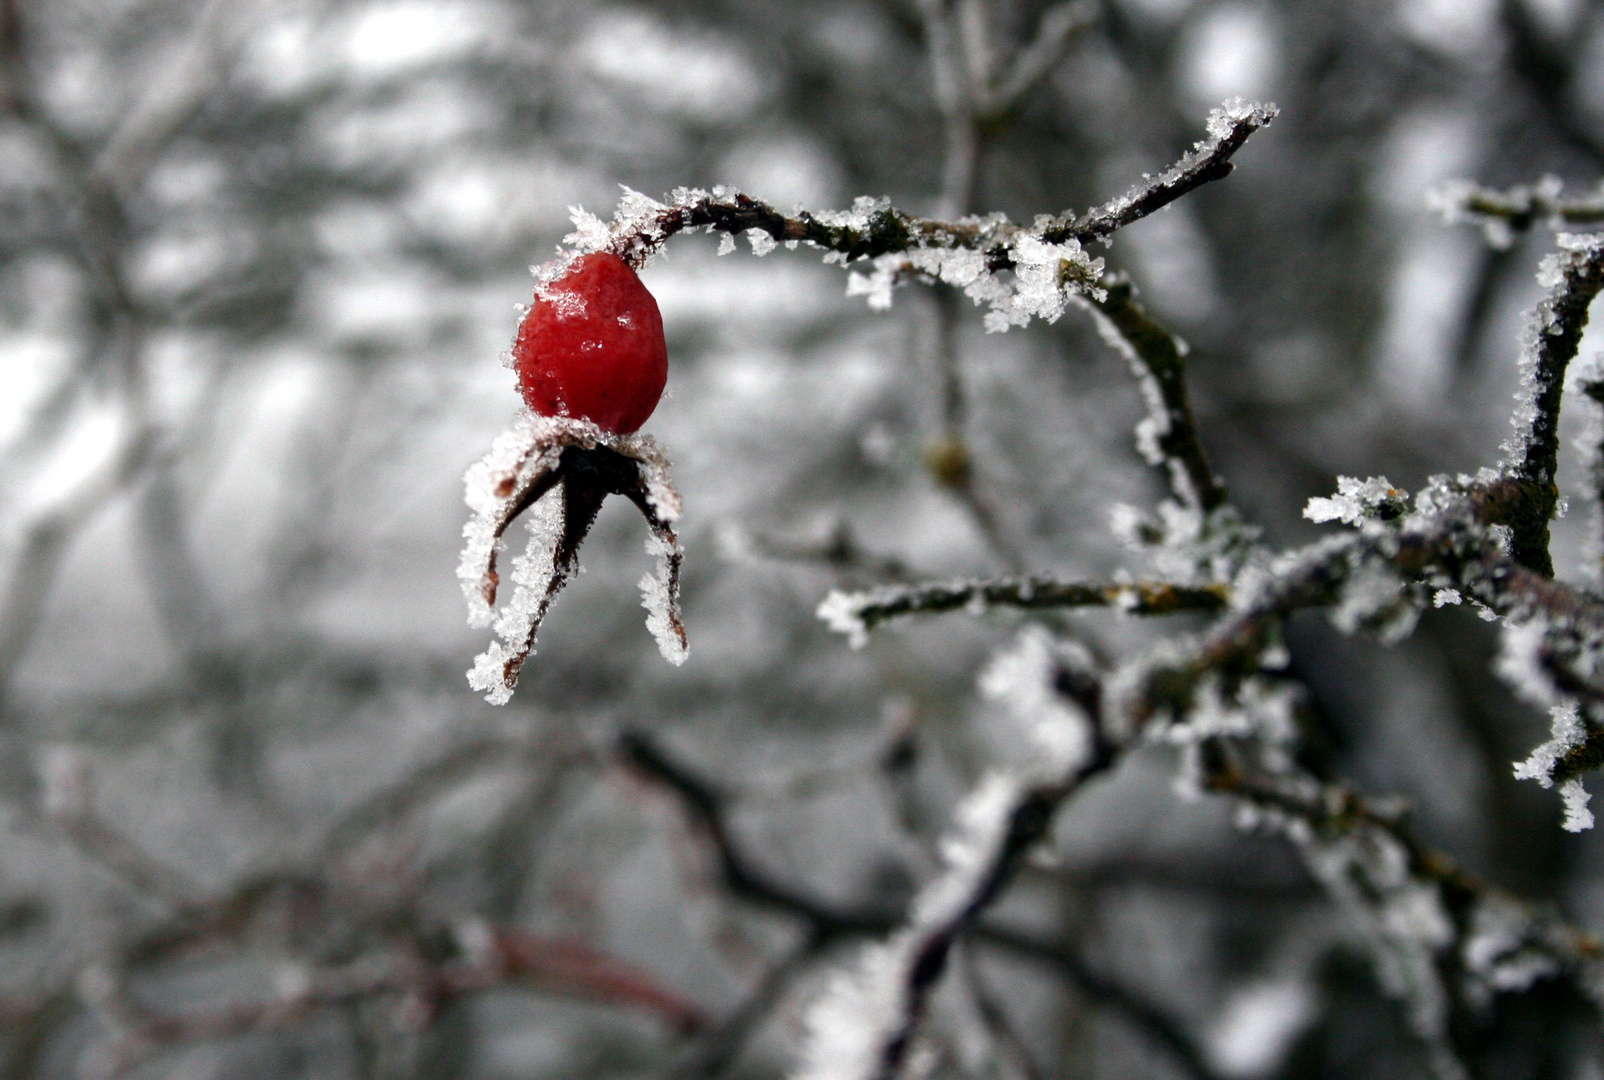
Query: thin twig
[[1553, 337], [857, 613], [888, 230], [1170, 436]]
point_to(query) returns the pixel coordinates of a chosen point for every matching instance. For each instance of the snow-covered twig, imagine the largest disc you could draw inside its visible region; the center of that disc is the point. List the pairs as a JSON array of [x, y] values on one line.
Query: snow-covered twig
[[1573, 276], [1503, 214], [856, 613], [1168, 436], [863, 1026], [829, 922], [1047, 257]]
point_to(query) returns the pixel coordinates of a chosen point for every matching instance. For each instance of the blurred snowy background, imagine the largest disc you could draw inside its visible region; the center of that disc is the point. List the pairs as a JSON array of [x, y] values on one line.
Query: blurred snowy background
[[258, 260]]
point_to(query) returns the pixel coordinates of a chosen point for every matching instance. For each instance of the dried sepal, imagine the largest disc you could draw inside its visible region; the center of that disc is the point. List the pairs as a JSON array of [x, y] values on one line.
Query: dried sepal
[[584, 464]]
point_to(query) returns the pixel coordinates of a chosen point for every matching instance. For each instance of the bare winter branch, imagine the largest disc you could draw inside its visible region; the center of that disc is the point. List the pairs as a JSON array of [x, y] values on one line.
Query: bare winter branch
[[856, 613]]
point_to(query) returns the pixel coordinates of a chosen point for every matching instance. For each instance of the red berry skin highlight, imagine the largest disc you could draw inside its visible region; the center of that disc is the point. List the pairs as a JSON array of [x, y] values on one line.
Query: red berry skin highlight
[[592, 347]]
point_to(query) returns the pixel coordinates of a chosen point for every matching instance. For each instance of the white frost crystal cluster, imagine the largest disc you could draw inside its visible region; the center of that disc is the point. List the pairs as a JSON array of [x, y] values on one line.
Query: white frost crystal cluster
[[1403, 917], [1567, 732], [635, 234], [491, 485], [1355, 500], [1045, 274]]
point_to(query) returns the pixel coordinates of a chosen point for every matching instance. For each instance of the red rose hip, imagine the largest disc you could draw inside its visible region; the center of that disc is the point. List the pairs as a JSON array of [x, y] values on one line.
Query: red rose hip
[[592, 346]]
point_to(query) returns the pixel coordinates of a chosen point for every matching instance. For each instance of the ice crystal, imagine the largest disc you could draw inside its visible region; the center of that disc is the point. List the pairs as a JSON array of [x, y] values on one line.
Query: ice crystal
[[762, 243], [1520, 662], [1355, 500], [635, 235], [1578, 818], [1566, 733]]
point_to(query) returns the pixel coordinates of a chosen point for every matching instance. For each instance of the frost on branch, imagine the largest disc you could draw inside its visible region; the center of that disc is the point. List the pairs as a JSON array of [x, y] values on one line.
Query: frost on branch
[[1572, 276], [1016, 272], [863, 1025], [856, 613], [560, 470], [1031, 679], [1503, 214], [1551, 761], [1356, 500]]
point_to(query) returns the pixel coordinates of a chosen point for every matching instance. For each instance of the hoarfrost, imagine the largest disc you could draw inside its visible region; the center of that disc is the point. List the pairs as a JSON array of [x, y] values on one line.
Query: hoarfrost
[[762, 243], [843, 613], [846, 1026], [1355, 500], [1578, 818], [864, 1008], [871, 1007], [493, 486], [968, 849], [1023, 678], [1446, 597], [1520, 662], [660, 598], [1258, 1026], [534, 573], [1543, 322], [1497, 947], [859, 218], [524, 473], [635, 234], [1404, 918], [877, 284], [1223, 120], [1566, 733], [1373, 598]]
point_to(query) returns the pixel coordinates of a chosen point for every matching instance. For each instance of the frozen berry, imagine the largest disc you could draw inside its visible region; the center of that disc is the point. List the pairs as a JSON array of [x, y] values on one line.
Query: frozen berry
[[592, 346]]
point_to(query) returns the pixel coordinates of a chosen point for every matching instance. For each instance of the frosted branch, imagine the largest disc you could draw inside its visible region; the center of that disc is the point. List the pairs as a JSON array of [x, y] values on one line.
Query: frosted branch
[[863, 1026], [747, 881], [1444, 942], [1573, 276], [1229, 127], [1047, 259], [856, 613], [1168, 436], [1504, 214]]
